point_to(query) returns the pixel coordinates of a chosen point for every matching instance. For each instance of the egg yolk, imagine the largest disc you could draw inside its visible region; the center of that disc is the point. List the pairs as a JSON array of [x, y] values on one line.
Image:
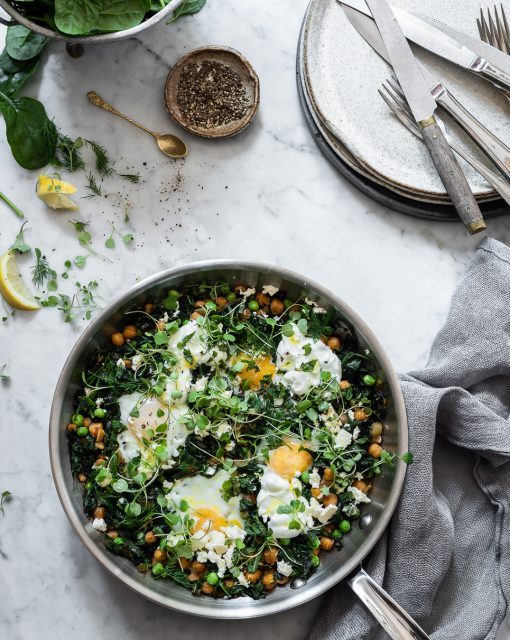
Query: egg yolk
[[254, 376], [288, 459], [207, 519]]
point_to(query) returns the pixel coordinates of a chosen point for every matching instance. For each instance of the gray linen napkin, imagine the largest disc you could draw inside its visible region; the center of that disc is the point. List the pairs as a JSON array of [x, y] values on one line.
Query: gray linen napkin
[[446, 554]]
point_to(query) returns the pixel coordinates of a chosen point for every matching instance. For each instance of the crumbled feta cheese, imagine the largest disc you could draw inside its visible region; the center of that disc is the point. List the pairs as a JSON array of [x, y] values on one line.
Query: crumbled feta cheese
[[355, 433], [270, 289], [173, 539], [200, 384], [99, 402], [167, 485], [136, 361], [285, 568], [315, 479], [315, 306], [230, 446], [327, 513], [241, 578], [120, 363], [277, 402], [99, 524], [234, 532], [342, 439], [350, 414], [247, 293], [359, 496]]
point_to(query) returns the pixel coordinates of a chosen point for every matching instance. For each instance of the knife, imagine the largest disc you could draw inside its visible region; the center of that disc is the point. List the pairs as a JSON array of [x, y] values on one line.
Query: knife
[[423, 105], [455, 46], [495, 149]]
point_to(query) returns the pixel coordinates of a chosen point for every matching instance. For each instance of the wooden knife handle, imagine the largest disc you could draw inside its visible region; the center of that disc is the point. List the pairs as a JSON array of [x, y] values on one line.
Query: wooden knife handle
[[452, 176]]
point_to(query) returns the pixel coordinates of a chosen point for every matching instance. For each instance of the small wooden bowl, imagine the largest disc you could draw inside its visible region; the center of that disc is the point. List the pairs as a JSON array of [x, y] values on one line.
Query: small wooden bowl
[[237, 63]]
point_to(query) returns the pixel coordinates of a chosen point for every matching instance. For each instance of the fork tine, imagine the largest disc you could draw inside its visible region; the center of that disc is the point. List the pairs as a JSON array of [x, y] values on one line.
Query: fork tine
[[506, 30], [482, 27], [398, 98], [493, 31], [501, 32], [403, 117]]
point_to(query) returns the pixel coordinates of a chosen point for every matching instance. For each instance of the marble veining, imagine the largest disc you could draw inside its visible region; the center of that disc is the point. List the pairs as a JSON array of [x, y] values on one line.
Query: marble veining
[[265, 195]]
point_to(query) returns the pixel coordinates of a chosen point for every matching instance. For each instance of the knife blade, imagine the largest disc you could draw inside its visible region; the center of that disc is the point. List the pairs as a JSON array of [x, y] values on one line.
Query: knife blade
[[495, 149], [455, 46], [422, 106]]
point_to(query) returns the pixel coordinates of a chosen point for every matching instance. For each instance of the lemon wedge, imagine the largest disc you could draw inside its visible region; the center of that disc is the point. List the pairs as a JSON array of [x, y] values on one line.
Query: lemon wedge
[[12, 286], [55, 193]]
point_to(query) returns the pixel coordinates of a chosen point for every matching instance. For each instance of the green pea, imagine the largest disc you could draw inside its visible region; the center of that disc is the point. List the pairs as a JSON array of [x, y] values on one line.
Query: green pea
[[158, 390], [230, 297], [173, 293], [99, 413], [78, 420], [377, 471], [336, 534], [305, 477], [212, 578], [315, 561], [89, 485], [316, 543], [345, 526], [157, 569], [224, 289], [369, 380], [253, 305], [284, 541], [81, 432], [119, 541], [288, 303]]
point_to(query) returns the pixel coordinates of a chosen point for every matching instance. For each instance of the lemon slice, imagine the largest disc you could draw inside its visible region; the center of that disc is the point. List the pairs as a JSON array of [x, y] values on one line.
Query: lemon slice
[[12, 286], [55, 193], [54, 185]]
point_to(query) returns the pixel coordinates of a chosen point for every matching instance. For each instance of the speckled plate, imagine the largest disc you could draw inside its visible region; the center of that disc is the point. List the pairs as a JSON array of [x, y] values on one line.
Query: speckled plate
[[342, 74]]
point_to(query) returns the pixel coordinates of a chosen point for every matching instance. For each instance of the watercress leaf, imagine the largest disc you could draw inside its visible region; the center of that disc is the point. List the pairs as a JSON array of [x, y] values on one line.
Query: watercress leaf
[[127, 238], [31, 135], [80, 261], [120, 485], [23, 44], [288, 330], [187, 8], [77, 17], [110, 243]]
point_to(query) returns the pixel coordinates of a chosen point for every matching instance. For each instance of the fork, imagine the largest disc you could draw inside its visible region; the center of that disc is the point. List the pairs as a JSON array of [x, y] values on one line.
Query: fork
[[494, 30], [395, 99]]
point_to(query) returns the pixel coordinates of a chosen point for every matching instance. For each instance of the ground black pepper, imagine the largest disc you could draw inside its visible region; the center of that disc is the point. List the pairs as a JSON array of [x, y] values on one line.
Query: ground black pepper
[[211, 94]]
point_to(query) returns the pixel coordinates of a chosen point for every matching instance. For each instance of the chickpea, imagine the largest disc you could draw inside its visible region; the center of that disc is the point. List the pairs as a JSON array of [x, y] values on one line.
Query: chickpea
[[112, 534], [269, 580], [99, 513], [344, 384], [377, 439], [246, 313], [195, 315], [82, 477], [323, 339], [263, 311], [100, 461], [127, 363], [94, 428], [361, 485], [253, 577], [333, 343], [149, 307], [344, 419], [197, 567], [270, 555], [316, 492], [374, 450], [376, 429], [316, 551], [277, 307], [327, 543], [100, 434], [359, 414], [71, 427], [332, 498], [240, 287], [129, 332], [117, 339], [193, 577], [150, 538], [229, 583], [207, 588], [328, 475], [160, 325], [329, 528], [262, 299], [160, 556], [199, 304], [185, 563], [220, 302], [99, 445], [87, 422]]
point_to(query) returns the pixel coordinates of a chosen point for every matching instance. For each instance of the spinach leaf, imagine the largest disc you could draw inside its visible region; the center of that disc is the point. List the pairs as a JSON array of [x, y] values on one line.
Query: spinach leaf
[[187, 8], [23, 44], [121, 14], [15, 73], [31, 135], [77, 17]]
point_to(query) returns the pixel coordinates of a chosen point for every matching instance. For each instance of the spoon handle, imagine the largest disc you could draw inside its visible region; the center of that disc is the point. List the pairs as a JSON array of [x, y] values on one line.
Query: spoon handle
[[96, 100]]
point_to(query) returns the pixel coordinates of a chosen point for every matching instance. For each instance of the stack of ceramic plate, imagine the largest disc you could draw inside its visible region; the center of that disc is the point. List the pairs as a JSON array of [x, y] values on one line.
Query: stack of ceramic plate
[[338, 78]]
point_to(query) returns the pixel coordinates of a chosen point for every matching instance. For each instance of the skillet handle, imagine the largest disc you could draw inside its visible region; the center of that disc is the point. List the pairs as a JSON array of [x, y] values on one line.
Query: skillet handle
[[395, 621]]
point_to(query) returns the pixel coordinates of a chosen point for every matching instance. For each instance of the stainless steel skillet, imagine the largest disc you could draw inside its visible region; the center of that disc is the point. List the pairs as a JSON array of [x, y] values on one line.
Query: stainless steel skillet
[[336, 566]]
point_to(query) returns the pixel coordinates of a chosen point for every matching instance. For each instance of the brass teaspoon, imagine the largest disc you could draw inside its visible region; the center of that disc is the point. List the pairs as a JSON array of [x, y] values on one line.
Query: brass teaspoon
[[169, 144]]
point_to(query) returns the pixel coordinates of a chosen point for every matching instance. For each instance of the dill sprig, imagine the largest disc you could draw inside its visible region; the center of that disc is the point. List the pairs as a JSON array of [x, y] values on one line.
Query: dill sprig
[[93, 186], [42, 272], [130, 177], [103, 162]]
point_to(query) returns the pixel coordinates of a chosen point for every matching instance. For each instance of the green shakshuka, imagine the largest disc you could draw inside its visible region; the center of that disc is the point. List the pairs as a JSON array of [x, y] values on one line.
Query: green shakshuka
[[226, 436]]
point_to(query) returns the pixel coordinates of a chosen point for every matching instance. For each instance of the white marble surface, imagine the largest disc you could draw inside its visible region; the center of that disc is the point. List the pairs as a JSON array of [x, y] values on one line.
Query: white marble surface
[[266, 195]]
